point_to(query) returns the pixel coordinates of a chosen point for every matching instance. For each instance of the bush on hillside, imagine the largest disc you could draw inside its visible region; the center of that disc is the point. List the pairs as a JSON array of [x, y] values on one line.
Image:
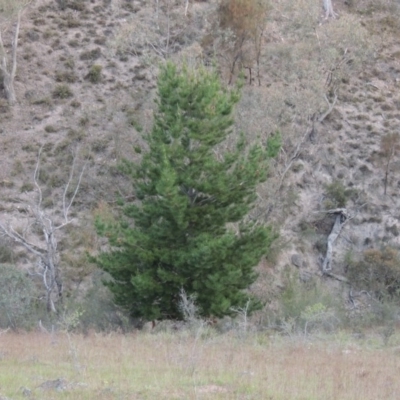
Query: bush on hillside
[[377, 272], [17, 297]]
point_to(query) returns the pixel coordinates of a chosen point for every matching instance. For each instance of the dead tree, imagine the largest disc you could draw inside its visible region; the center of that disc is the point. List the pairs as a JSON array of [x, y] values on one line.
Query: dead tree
[[47, 253], [341, 217], [8, 67]]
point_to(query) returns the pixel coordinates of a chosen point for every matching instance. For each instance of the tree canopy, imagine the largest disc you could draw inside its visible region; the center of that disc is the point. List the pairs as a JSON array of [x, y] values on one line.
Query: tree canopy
[[188, 227]]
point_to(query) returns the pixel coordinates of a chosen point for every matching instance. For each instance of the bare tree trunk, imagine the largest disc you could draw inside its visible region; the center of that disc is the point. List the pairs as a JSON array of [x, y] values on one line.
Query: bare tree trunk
[[329, 9], [9, 72], [341, 218], [48, 255]]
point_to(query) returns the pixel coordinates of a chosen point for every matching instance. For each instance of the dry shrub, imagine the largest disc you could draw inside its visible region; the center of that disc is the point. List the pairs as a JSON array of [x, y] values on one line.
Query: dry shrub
[[239, 36], [378, 272]]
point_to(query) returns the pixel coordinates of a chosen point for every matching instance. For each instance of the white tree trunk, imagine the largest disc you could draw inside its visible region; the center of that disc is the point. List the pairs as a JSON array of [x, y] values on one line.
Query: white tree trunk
[[9, 72], [341, 217], [329, 9]]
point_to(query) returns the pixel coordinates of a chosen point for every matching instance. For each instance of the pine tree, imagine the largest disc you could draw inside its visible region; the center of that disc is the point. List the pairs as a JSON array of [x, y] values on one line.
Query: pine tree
[[186, 230]]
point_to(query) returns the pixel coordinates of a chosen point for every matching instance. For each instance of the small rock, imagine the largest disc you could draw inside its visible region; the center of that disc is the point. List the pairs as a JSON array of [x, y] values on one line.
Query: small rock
[[297, 260], [56, 384]]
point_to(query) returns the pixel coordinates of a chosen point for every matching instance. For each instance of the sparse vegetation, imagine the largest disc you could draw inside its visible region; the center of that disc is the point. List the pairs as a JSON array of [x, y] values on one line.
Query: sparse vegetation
[[62, 92]]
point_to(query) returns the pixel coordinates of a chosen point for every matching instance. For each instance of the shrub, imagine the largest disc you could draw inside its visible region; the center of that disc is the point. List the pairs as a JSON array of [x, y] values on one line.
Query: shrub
[[99, 311], [306, 306], [336, 193], [16, 297], [66, 76], [62, 92], [91, 54], [378, 272], [94, 74], [6, 253], [50, 129], [27, 187]]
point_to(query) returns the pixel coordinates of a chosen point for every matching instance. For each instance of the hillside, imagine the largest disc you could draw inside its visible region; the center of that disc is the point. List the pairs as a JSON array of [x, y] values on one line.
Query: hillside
[[86, 83]]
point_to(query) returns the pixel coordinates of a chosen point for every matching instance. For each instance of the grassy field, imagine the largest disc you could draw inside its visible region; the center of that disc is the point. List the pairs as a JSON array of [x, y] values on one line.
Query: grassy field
[[166, 366]]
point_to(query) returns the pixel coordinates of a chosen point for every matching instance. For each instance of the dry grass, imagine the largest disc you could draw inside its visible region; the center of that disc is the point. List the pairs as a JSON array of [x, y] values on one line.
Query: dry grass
[[163, 366]]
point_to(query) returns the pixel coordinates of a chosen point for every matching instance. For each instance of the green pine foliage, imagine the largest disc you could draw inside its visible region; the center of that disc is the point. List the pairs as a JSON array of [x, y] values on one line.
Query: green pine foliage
[[187, 228]]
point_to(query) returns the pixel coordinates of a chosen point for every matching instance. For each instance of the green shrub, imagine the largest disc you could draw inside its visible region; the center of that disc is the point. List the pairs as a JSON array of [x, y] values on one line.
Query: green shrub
[[16, 297], [306, 306], [338, 195], [99, 311], [62, 92], [27, 187], [73, 43], [50, 128], [94, 74]]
